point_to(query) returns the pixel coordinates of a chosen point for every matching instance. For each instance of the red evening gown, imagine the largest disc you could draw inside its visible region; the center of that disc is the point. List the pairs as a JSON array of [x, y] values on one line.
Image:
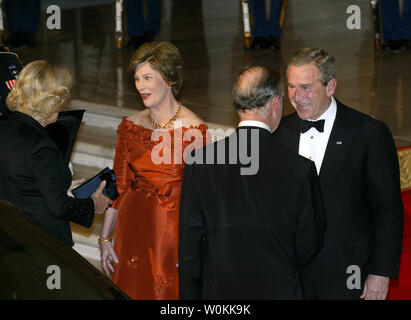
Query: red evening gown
[[146, 235]]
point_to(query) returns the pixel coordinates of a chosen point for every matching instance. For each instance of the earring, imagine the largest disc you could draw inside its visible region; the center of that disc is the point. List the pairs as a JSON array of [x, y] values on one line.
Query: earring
[[169, 84]]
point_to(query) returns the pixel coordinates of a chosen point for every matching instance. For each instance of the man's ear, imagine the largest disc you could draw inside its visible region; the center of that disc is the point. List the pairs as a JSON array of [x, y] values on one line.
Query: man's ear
[[331, 86], [275, 101]]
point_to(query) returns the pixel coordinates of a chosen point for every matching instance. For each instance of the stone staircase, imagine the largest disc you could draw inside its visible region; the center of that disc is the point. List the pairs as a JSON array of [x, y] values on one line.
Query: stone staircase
[[94, 150]]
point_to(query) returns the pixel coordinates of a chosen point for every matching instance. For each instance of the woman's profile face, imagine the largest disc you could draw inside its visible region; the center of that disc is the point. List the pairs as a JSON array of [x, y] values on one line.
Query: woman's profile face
[[151, 85]]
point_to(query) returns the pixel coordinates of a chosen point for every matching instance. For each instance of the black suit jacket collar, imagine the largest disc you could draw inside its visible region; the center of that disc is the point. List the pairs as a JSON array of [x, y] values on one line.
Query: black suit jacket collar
[[262, 131], [340, 137], [28, 120], [338, 143]]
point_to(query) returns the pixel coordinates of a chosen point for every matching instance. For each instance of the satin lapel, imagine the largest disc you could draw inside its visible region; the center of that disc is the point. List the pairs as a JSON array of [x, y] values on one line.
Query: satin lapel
[[292, 139], [338, 144]]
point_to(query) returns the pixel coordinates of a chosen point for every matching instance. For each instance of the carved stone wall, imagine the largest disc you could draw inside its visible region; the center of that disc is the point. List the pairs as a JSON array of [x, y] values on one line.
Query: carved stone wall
[[404, 157]]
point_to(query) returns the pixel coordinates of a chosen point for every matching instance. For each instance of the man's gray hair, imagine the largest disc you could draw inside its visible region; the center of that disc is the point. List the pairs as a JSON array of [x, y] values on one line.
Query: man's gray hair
[[254, 92], [324, 61]]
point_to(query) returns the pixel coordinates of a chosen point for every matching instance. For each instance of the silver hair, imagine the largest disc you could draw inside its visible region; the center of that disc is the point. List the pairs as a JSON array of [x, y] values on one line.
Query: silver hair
[[324, 61]]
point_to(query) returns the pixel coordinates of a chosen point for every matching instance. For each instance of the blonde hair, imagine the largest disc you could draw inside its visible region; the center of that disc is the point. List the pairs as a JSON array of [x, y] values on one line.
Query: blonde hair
[[163, 57], [40, 90]]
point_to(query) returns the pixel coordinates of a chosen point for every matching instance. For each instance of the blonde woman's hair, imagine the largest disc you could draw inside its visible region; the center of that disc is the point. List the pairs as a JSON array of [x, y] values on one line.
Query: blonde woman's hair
[[163, 57], [40, 90]]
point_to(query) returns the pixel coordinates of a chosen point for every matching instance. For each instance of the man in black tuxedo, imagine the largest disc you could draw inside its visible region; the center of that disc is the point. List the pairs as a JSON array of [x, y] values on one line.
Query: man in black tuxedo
[[246, 230], [356, 159]]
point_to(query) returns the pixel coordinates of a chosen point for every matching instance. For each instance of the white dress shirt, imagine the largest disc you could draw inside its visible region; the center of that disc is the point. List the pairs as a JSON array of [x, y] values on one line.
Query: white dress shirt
[[254, 123], [313, 143]]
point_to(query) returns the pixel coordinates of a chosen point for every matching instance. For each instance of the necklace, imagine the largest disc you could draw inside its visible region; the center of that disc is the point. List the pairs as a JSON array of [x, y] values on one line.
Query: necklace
[[168, 124]]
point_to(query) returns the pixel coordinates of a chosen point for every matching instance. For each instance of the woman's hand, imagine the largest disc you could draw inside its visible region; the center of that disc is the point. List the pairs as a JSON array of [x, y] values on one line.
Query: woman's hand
[[75, 184], [108, 256], [101, 202]]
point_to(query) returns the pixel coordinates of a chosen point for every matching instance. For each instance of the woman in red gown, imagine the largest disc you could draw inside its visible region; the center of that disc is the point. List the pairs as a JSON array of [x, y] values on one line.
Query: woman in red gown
[[149, 166]]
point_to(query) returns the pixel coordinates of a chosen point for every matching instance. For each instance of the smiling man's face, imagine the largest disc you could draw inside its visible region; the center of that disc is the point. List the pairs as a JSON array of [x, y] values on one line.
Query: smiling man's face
[[309, 97]]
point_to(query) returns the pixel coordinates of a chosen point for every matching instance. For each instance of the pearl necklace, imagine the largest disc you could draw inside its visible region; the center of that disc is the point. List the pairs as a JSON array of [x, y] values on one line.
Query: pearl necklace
[[168, 124]]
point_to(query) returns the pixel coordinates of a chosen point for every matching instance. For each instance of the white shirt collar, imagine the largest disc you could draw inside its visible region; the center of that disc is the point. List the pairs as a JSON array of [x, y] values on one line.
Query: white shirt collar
[[329, 116], [313, 143], [330, 113], [254, 123]]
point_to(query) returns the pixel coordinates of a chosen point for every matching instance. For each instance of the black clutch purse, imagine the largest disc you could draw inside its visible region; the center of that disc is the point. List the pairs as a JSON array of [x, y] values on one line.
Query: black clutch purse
[[86, 190]]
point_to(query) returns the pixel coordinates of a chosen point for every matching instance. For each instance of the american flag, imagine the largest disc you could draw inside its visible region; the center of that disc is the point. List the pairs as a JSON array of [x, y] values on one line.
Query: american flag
[[10, 84]]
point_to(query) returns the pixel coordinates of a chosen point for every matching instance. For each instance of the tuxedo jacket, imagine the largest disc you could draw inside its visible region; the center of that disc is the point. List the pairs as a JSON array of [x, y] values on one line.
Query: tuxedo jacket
[[246, 236], [360, 182], [35, 178]]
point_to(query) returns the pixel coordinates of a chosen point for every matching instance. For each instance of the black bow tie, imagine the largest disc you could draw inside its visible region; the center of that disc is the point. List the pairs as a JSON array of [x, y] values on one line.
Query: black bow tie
[[306, 125]]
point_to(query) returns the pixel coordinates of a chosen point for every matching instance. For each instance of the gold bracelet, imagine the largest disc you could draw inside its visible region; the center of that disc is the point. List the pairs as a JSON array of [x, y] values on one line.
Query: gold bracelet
[[105, 239]]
